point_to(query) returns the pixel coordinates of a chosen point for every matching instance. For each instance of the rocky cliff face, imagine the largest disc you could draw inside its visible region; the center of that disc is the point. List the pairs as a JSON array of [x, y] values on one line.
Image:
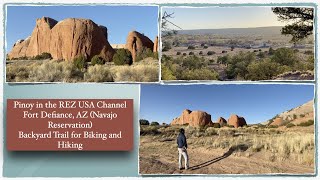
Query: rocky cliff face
[[236, 121], [66, 40], [136, 42], [193, 118]]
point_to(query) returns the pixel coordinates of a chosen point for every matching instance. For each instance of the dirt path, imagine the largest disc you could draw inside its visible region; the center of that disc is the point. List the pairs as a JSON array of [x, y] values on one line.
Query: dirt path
[[162, 158]]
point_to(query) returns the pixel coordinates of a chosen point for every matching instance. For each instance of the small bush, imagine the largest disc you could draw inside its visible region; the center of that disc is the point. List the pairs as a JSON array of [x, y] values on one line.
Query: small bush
[[144, 122], [216, 125], [224, 52], [184, 54], [191, 47], [205, 47], [42, 56], [178, 53], [97, 60], [273, 126], [191, 53], [122, 57], [200, 53], [308, 123], [154, 124], [145, 53], [79, 62], [209, 53], [289, 125]]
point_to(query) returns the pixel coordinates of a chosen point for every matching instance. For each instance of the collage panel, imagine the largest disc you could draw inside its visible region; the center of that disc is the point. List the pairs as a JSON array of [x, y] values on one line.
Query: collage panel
[[82, 43], [257, 129], [237, 43]]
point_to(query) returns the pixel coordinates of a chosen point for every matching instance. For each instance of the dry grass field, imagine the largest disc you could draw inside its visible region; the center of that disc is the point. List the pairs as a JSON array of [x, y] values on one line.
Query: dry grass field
[[247, 150], [146, 70]]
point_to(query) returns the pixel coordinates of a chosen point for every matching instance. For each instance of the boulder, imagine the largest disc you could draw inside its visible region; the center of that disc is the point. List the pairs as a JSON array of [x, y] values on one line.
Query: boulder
[[66, 40], [236, 121], [156, 45], [193, 118], [222, 121], [136, 42], [72, 37]]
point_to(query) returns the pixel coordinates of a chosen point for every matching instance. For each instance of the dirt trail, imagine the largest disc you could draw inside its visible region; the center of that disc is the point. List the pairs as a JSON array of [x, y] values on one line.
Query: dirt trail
[[162, 158]]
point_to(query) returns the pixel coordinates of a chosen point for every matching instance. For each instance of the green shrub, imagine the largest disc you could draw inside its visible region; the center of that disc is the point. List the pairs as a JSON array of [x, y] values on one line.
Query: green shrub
[[184, 54], [308, 123], [144, 122], [144, 53], [237, 65], [223, 59], [209, 53], [284, 56], [199, 74], [271, 51], [262, 70], [200, 53], [79, 62], [191, 47], [308, 52], [97, 60], [273, 126], [289, 125], [178, 53], [42, 56], [166, 73], [205, 47], [122, 57], [154, 124], [191, 53], [216, 125]]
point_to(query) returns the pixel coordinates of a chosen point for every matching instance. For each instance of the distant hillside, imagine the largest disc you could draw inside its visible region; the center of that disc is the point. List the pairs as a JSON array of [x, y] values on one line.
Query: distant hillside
[[296, 115], [271, 30]]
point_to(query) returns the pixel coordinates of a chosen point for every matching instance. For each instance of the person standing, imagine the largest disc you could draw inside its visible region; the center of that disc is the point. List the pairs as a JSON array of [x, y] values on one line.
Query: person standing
[[182, 149]]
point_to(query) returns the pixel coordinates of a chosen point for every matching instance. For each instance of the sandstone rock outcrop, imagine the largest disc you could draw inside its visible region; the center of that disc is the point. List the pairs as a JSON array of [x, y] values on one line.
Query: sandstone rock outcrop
[[41, 37], [66, 40], [277, 122], [236, 121], [136, 42], [222, 121], [19, 48], [155, 45], [193, 118]]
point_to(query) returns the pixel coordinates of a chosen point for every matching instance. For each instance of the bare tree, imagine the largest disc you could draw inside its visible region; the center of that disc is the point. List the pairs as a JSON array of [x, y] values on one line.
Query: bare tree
[[166, 24]]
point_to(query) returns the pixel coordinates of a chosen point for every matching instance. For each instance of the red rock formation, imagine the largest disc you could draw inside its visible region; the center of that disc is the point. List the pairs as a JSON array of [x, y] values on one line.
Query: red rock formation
[[193, 118], [40, 37], [136, 42], [66, 40], [19, 48], [156, 45], [236, 121], [222, 121], [277, 122]]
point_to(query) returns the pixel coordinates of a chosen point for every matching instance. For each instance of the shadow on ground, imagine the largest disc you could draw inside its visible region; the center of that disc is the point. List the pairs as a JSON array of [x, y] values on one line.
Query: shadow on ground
[[241, 147]]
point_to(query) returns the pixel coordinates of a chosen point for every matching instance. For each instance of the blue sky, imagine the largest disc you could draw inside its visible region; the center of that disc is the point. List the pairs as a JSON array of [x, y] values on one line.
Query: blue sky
[[223, 17], [256, 103], [119, 20]]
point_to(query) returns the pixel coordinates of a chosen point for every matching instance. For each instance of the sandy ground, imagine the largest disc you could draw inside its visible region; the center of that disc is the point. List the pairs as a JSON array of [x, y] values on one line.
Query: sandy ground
[[158, 157]]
